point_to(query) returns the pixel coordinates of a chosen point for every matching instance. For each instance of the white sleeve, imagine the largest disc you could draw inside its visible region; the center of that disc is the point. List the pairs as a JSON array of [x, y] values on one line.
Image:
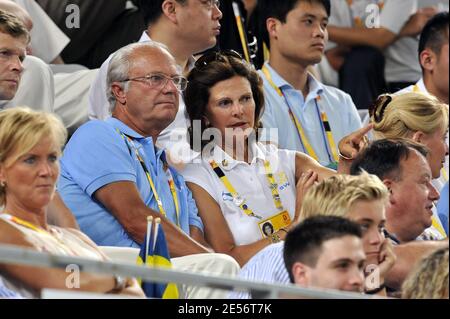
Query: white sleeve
[[198, 174], [395, 13], [36, 88], [98, 102], [47, 40]]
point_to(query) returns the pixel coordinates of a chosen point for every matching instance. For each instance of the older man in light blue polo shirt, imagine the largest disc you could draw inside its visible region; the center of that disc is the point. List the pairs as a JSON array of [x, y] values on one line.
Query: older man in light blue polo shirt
[[310, 117], [112, 175]]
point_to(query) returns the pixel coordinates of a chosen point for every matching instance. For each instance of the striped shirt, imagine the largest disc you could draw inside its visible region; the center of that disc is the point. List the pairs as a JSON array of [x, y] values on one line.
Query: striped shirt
[[5, 292], [266, 266]]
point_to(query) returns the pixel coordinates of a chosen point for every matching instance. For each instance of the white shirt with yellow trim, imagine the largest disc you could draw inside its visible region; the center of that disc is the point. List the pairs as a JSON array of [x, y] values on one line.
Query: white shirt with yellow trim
[[250, 182]]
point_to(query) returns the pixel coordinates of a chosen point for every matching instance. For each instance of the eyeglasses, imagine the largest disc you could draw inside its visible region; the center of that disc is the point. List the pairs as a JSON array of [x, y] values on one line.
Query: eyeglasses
[[158, 80], [211, 3], [212, 56]]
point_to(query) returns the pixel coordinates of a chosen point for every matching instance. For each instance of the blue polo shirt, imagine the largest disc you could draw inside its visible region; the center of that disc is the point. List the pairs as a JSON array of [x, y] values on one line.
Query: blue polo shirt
[[342, 114], [97, 155], [442, 208]]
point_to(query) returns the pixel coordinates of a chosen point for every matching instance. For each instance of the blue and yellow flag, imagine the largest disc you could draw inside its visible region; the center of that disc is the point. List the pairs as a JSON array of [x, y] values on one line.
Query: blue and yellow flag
[[154, 253]]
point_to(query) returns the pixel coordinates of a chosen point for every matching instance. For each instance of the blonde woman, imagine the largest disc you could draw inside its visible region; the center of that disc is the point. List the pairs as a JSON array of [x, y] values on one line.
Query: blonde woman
[[416, 116], [422, 118], [30, 146], [429, 280]]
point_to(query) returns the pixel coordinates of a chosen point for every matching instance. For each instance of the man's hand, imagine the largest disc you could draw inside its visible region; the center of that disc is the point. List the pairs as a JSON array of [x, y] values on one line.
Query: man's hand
[[336, 56], [413, 27]]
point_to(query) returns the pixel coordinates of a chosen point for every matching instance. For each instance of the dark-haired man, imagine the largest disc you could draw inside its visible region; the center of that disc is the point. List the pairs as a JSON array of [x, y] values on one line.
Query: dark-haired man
[[310, 117], [326, 252]]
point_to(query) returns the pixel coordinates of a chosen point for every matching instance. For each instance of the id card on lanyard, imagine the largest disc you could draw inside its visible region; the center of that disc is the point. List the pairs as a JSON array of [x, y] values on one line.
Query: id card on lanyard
[[323, 118], [280, 220]]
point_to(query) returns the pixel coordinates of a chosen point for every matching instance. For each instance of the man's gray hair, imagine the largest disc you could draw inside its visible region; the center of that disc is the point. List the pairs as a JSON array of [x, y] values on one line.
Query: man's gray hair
[[120, 64]]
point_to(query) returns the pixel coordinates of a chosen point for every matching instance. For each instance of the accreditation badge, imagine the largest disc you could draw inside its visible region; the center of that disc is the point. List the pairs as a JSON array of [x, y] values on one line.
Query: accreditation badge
[[273, 224]]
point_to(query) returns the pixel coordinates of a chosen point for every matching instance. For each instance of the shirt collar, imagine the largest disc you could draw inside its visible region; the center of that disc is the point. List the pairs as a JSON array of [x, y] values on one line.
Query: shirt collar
[[315, 87], [421, 86], [147, 141], [227, 163]]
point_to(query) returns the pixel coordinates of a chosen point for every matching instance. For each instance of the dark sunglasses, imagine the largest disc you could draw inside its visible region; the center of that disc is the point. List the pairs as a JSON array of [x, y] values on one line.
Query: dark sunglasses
[[213, 56]]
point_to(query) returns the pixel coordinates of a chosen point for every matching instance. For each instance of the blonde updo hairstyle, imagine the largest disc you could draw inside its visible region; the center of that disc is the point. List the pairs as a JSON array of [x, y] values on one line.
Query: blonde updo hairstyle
[[21, 129], [400, 116]]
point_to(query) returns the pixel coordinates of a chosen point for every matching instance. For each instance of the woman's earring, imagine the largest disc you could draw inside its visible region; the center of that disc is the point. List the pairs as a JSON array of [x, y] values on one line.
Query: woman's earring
[[2, 184]]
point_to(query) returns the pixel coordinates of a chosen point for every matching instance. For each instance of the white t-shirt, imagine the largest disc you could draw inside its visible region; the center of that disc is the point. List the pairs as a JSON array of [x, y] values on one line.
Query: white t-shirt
[[402, 64], [250, 182], [393, 15]]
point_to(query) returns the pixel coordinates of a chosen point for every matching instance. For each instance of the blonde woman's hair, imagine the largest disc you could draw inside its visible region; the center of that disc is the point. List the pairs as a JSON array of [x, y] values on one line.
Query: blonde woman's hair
[[335, 195], [429, 279], [402, 115], [21, 129]]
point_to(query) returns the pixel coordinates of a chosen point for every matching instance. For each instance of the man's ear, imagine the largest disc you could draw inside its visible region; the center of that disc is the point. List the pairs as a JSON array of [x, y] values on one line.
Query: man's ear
[[389, 183], [169, 9], [418, 136], [301, 274], [272, 27], [119, 93], [428, 60]]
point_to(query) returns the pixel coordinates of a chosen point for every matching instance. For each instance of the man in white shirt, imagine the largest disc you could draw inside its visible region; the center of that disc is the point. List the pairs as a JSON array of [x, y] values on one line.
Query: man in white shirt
[[186, 27]]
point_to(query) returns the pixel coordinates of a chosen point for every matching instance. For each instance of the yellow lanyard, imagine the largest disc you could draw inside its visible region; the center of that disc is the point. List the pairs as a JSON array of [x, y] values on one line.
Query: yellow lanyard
[[237, 15], [238, 200], [31, 226], [329, 141], [171, 182]]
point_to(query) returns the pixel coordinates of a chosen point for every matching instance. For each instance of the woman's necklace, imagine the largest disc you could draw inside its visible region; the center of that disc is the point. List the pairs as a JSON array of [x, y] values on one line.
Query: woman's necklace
[[55, 237]]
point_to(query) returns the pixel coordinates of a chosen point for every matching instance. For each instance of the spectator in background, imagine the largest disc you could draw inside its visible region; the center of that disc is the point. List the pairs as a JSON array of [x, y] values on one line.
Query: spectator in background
[[429, 280], [433, 58], [357, 44], [95, 39], [47, 40], [310, 117], [402, 68], [326, 252]]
